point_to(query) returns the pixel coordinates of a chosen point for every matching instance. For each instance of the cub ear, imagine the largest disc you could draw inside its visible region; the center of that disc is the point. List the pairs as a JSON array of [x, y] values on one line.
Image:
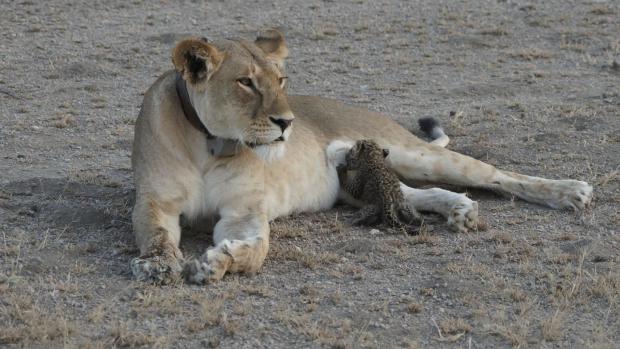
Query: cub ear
[[386, 152], [272, 42], [360, 146], [196, 60]]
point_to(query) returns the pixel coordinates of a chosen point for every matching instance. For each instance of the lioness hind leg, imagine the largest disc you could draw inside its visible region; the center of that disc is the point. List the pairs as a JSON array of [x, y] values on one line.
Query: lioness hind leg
[[558, 194], [157, 234], [429, 163], [460, 211], [241, 246]]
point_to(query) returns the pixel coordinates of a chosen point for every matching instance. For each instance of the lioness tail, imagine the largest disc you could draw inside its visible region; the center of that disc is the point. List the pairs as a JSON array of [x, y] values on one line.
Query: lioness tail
[[430, 126]]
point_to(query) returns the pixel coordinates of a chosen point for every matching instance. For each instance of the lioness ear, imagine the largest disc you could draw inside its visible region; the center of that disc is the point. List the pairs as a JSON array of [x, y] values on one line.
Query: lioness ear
[[272, 42], [196, 59]]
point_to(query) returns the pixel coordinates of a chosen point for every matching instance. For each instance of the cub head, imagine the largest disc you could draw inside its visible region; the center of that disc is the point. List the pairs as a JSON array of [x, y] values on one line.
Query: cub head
[[363, 152], [238, 88]]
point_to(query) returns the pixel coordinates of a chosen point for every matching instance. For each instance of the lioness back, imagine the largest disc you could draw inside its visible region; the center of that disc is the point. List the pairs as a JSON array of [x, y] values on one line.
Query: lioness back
[[336, 120]]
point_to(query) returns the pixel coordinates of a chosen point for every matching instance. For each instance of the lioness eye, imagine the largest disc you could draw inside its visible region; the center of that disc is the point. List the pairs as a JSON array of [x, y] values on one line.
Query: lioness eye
[[245, 82]]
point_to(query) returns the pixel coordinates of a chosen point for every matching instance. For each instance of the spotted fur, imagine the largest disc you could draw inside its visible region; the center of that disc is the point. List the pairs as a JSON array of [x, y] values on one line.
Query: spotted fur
[[366, 177]]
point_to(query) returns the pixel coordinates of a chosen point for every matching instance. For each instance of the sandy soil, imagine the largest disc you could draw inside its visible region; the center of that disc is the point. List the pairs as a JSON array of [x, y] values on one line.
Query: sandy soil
[[527, 86]]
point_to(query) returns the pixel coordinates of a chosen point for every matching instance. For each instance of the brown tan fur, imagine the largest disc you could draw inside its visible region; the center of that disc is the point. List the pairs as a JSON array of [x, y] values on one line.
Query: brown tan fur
[[238, 88], [366, 177]]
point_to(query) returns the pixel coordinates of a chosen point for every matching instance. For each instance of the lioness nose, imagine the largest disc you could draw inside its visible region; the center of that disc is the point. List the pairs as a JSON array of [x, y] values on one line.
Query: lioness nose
[[283, 123]]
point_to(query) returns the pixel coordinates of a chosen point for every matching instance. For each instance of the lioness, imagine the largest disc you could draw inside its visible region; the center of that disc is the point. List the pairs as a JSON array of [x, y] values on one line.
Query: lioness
[[219, 136]]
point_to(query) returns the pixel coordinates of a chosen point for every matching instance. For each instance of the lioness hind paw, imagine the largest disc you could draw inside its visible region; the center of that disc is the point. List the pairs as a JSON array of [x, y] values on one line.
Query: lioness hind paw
[[572, 194], [463, 216], [157, 270]]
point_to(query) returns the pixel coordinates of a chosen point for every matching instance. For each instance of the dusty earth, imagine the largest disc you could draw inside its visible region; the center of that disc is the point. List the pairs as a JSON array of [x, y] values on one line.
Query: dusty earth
[[532, 87]]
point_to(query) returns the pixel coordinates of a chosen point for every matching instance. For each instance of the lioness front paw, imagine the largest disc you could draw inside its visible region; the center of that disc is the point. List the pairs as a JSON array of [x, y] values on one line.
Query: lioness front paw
[[156, 269], [200, 273], [570, 193], [463, 216]]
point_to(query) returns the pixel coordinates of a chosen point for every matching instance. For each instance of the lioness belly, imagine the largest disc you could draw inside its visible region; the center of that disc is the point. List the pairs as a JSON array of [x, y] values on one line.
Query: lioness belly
[[299, 182], [302, 188]]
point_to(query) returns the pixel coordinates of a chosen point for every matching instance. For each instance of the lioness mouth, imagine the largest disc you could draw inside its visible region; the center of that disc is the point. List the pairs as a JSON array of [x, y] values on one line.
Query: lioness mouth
[[254, 145]]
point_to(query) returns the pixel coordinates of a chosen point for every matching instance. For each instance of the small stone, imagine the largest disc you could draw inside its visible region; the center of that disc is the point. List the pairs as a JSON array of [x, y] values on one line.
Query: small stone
[[34, 266], [376, 232], [600, 258]]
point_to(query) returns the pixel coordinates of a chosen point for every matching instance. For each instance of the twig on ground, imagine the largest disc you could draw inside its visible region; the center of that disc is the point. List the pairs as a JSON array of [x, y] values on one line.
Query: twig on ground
[[9, 93]]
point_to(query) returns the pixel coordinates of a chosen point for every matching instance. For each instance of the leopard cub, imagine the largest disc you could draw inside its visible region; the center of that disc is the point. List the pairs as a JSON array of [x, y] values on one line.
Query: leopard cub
[[365, 176]]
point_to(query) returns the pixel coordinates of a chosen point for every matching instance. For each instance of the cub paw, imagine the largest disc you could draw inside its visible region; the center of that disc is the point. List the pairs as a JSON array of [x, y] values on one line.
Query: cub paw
[[160, 270]]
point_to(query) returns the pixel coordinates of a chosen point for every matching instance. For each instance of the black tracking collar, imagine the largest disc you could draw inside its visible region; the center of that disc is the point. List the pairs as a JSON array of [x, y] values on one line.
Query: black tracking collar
[[218, 147]]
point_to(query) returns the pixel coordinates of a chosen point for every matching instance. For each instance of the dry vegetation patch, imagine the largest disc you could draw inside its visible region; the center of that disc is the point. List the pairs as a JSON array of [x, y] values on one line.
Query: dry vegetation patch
[[531, 54]]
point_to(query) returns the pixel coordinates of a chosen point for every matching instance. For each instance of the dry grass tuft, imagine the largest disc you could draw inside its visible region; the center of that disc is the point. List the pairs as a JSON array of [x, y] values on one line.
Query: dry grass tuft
[[281, 229], [31, 323], [454, 326], [211, 309], [260, 290], [97, 314], [309, 290], [298, 227], [335, 297], [501, 238], [551, 327], [212, 314], [429, 291], [562, 258], [335, 333], [602, 10], [523, 251], [605, 286], [86, 176], [567, 237], [63, 121], [516, 295], [11, 335], [155, 300], [230, 327], [496, 31], [531, 54], [414, 308], [423, 238], [307, 259], [355, 271], [126, 338], [516, 334], [454, 267]]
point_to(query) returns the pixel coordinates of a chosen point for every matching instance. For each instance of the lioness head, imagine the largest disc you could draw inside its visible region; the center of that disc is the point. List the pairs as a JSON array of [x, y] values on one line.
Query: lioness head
[[238, 88]]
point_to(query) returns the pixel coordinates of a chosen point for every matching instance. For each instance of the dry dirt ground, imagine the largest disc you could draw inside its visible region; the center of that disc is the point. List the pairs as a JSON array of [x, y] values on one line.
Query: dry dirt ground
[[528, 86]]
